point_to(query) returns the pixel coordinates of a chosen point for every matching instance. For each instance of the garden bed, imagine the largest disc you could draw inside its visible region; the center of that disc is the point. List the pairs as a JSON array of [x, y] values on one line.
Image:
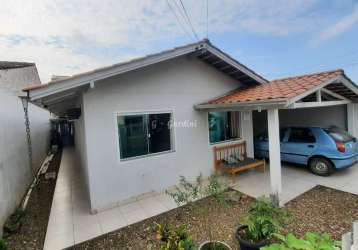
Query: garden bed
[[32, 232], [320, 209]]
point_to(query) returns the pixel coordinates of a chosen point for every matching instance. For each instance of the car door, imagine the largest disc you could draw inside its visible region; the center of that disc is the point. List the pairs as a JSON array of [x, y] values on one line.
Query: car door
[[298, 146], [262, 144]]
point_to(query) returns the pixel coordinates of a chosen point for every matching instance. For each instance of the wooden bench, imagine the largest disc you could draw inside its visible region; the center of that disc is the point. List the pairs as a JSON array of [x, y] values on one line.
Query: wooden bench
[[224, 155]]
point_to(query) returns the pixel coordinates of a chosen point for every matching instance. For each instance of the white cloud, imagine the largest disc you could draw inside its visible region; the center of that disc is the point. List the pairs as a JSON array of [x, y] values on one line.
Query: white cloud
[[339, 27], [67, 37]]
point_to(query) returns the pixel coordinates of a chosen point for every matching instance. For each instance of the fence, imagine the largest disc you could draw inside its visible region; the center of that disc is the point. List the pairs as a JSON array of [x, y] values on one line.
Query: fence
[[349, 242]]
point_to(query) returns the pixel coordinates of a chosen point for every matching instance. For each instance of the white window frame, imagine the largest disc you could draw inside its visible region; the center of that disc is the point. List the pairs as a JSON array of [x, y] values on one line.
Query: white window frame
[[172, 133], [229, 140]]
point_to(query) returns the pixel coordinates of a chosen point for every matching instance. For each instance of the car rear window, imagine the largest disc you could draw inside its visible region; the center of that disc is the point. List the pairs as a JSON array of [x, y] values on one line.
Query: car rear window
[[339, 134]]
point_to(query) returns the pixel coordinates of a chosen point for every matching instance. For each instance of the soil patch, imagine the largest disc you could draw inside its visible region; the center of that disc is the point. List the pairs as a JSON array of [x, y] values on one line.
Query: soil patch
[[321, 209], [32, 233]]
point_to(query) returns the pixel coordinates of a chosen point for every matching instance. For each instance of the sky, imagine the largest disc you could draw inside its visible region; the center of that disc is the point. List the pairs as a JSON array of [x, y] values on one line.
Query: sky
[[275, 38]]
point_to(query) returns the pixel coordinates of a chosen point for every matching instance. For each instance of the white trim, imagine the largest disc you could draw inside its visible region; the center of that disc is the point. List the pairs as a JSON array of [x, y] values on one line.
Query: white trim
[[311, 91], [103, 73], [250, 105], [319, 96], [147, 112], [331, 93], [318, 104], [235, 64], [224, 141], [349, 84]]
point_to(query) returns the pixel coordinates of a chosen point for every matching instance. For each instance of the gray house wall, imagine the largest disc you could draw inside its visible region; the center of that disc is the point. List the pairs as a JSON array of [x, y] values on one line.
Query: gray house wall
[[174, 86], [15, 175]]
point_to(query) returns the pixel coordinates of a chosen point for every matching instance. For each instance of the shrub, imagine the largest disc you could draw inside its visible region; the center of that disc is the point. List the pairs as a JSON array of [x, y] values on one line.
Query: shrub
[[13, 223], [178, 239], [310, 241], [2, 245], [264, 219]]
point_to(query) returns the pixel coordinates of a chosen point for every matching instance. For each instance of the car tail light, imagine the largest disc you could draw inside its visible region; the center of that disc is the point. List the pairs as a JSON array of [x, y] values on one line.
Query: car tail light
[[340, 146]]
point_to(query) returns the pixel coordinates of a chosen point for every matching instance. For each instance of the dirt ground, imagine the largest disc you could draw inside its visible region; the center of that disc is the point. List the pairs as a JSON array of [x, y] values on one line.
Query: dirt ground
[[31, 235], [321, 209]]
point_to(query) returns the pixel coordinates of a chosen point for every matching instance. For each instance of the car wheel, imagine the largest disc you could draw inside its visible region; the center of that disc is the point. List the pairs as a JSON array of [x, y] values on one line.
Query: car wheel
[[321, 166]]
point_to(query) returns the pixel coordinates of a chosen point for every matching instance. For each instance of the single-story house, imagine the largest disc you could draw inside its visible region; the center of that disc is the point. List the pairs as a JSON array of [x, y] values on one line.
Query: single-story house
[[141, 124]]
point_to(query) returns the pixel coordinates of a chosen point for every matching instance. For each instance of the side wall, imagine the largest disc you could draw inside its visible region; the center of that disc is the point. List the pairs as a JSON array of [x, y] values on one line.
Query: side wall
[[15, 175], [325, 116], [81, 150], [18, 78], [172, 86]]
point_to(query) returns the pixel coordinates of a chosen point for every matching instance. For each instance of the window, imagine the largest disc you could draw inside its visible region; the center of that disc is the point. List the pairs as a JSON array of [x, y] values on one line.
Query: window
[[223, 126], [144, 134], [301, 135], [339, 134], [264, 135]]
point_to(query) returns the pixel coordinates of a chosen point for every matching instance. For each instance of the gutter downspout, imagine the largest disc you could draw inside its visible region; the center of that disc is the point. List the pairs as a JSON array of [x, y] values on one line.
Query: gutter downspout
[[25, 105]]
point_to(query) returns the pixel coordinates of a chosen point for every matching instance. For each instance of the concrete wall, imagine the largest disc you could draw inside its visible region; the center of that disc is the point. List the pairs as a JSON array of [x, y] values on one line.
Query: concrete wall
[[324, 116], [176, 86], [15, 175], [80, 146], [18, 78]]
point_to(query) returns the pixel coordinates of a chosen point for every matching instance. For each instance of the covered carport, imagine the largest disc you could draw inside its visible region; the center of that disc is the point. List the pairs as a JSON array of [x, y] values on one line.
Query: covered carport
[[331, 90]]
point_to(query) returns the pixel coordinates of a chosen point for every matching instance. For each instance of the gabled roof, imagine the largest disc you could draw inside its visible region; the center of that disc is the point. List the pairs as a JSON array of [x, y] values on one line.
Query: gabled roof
[[287, 90], [4, 65], [203, 50]]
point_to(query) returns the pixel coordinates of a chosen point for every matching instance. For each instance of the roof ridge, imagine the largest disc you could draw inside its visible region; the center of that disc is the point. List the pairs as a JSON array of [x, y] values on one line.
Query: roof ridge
[[203, 41], [308, 74]]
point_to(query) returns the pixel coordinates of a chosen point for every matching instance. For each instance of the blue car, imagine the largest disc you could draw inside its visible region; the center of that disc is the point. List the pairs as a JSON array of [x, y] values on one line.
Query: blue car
[[323, 150]]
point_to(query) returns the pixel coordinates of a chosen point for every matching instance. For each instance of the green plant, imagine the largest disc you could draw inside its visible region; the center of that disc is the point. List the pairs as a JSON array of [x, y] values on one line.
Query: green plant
[[178, 239], [13, 223], [310, 241], [2, 245], [264, 219], [189, 192]]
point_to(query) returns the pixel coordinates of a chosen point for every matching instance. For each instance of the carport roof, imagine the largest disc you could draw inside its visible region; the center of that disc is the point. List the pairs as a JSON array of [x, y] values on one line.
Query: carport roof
[[286, 91]]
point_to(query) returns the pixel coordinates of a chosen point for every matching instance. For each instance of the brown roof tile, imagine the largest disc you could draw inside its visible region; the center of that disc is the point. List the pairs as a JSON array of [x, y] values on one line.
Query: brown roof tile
[[34, 86], [283, 88]]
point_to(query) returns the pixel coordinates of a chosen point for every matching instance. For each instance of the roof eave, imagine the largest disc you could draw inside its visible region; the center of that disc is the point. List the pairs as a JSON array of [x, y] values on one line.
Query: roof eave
[[249, 105], [96, 75]]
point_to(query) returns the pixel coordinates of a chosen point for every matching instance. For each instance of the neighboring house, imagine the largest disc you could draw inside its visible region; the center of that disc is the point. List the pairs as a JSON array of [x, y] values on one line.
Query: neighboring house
[[15, 175], [122, 114]]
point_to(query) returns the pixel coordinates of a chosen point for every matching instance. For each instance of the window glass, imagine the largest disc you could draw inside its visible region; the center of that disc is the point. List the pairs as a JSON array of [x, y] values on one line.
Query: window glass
[[159, 131], [144, 134], [133, 135], [264, 135], [339, 134], [223, 126], [282, 133], [217, 126], [301, 135]]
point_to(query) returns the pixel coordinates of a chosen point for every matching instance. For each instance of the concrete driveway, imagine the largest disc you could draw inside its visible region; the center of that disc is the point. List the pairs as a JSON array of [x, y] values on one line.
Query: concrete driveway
[[295, 181]]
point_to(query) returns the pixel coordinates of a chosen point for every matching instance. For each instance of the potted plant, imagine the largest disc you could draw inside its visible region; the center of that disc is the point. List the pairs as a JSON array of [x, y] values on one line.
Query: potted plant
[[310, 241], [187, 193], [261, 221]]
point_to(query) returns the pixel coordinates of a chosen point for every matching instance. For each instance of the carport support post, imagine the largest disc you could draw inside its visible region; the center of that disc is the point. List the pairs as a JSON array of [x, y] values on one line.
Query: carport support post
[[352, 117], [274, 154]]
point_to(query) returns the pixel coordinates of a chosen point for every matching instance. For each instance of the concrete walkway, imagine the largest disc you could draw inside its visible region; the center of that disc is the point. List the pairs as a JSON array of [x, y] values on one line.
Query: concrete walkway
[[71, 222]]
